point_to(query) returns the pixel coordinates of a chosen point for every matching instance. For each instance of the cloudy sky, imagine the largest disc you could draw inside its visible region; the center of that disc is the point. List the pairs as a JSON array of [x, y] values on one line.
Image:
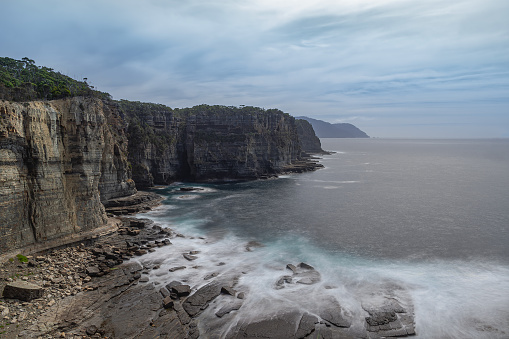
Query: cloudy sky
[[394, 68]]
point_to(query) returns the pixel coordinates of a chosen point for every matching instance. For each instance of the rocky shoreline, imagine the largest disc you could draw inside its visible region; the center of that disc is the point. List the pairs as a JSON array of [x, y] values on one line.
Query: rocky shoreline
[[102, 288]]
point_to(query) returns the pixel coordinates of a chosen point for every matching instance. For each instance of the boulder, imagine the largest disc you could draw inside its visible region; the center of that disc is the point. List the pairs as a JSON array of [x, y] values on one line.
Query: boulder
[[93, 271], [306, 325], [284, 325], [164, 292], [210, 276], [231, 306], [331, 312], [388, 318], [228, 290], [168, 302], [190, 257], [191, 189], [173, 269], [181, 290], [201, 298], [173, 283], [252, 244], [292, 268], [381, 318], [22, 290], [305, 266], [91, 330], [286, 279]]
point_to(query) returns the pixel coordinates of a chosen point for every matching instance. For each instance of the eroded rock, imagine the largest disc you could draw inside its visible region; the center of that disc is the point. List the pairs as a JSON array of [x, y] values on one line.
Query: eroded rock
[[22, 290], [201, 298]]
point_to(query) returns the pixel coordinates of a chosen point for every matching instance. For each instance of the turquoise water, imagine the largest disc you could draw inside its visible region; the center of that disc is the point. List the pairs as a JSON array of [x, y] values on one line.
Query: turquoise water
[[425, 221]]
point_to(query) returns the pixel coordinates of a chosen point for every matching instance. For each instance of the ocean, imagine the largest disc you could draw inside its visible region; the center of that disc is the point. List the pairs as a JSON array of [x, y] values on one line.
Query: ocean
[[423, 221]]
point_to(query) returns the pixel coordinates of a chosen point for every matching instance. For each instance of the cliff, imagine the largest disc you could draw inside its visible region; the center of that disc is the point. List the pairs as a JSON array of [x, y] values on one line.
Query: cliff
[[341, 130], [208, 142], [61, 160], [309, 142], [58, 159]]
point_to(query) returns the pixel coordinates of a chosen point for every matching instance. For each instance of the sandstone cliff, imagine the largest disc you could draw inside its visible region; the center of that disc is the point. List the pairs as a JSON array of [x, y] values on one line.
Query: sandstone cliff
[[208, 142], [58, 159], [309, 142]]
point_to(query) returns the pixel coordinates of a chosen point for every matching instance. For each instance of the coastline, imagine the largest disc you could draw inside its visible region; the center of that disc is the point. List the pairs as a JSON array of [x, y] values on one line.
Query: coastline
[[92, 293]]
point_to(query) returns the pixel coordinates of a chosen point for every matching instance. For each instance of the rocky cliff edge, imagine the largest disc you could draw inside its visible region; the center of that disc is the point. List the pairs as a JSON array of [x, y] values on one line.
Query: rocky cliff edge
[[58, 160]]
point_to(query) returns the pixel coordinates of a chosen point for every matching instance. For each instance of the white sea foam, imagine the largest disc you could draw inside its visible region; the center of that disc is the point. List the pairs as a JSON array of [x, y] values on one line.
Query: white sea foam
[[186, 197], [336, 181], [451, 299]]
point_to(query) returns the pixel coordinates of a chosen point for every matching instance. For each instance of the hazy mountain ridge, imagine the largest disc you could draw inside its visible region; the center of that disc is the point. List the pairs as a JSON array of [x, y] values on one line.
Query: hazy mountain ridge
[[325, 129]]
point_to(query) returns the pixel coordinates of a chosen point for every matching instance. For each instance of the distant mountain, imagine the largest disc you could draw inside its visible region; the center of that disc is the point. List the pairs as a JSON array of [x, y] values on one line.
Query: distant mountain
[[341, 130]]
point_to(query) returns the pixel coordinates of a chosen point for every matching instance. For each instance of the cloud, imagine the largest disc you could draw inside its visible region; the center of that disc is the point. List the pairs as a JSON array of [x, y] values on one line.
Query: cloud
[[390, 60]]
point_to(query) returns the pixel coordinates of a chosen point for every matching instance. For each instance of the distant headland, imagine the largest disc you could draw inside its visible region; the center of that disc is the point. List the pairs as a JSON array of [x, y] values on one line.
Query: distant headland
[[325, 129]]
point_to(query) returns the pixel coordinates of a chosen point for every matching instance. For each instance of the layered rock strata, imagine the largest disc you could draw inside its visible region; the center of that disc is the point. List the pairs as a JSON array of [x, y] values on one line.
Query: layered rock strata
[[309, 142], [58, 159], [210, 143]]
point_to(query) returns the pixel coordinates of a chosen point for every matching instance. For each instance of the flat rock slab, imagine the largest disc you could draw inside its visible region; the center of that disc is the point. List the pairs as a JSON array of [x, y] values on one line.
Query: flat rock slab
[[288, 325], [387, 318], [23, 291], [228, 290], [323, 332], [117, 307], [181, 290], [189, 257], [332, 312], [173, 269], [201, 298], [302, 274], [231, 306]]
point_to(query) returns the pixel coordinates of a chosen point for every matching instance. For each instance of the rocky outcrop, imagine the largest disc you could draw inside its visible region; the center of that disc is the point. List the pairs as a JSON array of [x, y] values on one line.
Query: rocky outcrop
[[58, 160], [22, 290], [309, 142], [209, 143]]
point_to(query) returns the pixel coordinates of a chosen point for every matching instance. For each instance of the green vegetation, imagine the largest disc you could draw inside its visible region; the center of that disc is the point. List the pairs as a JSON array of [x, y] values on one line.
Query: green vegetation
[[225, 111], [22, 258], [23, 80], [140, 131]]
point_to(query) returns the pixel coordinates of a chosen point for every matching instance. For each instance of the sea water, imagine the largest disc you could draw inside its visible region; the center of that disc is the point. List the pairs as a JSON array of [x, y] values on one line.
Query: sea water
[[423, 221]]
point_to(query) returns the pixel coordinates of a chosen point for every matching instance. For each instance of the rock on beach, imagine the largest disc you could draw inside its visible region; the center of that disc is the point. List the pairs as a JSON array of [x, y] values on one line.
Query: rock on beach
[[23, 291]]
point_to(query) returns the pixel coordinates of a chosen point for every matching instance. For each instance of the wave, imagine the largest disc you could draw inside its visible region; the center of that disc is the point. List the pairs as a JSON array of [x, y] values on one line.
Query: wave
[[450, 299]]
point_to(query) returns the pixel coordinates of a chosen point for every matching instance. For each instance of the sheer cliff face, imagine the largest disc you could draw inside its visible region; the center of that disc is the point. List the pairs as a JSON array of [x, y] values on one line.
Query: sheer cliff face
[[240, 146], [56, 161], [208, 143], [308, 140]]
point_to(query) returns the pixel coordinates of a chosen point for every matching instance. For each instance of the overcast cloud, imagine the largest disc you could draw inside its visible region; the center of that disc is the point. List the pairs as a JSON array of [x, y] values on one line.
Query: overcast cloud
[[394, 68]]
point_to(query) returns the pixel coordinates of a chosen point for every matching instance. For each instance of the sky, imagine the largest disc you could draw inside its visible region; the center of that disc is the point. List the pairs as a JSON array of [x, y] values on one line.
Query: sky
[[393, 68]]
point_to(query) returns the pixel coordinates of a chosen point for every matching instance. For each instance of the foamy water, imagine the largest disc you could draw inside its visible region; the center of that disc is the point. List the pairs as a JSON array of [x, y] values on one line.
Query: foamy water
[[450, 299], [420, 235]]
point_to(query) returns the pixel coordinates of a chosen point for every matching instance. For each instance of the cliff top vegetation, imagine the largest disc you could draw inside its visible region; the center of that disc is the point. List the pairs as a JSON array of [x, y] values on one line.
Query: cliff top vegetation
[[23, 80], [221, 110]]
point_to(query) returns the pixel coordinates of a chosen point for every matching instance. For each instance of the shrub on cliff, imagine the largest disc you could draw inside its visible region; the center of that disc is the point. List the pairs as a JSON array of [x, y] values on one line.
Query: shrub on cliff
[[23, 80]]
